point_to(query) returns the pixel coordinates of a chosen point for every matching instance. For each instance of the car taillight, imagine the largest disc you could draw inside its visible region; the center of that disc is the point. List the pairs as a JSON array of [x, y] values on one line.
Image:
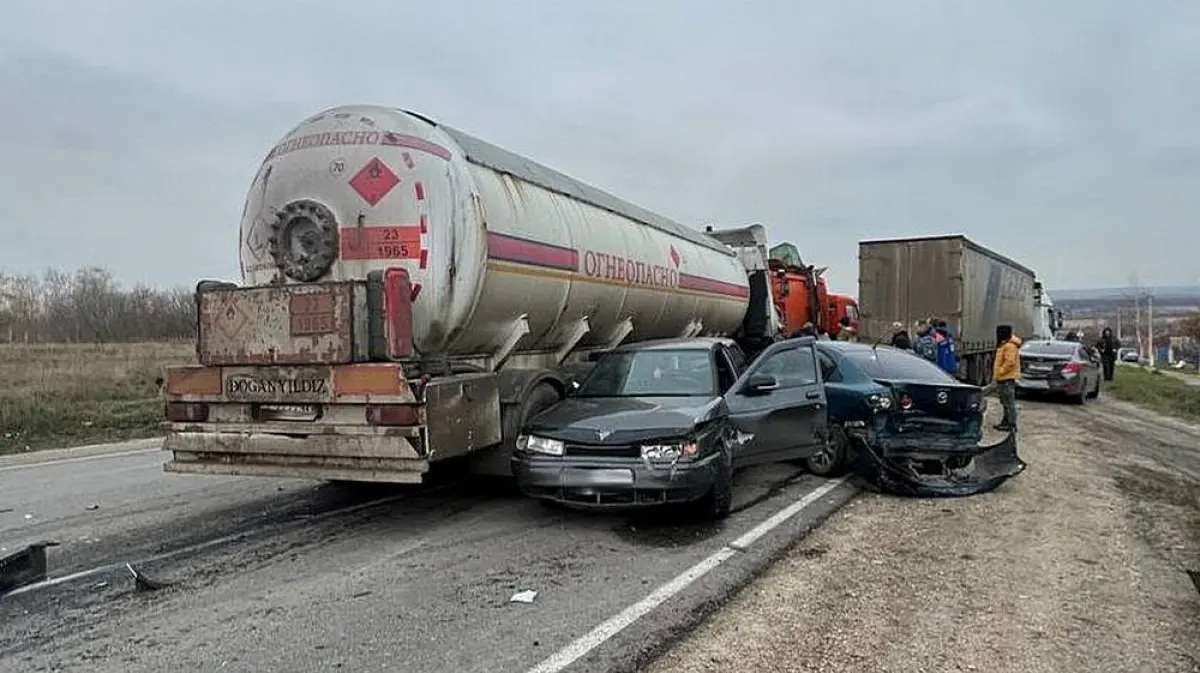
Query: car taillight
[[187, 412], [906, 402], [393, 414], [1072, 368]]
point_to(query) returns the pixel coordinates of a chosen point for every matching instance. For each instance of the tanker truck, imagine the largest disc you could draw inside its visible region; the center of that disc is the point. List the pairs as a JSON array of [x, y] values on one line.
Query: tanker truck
[[411, 294]]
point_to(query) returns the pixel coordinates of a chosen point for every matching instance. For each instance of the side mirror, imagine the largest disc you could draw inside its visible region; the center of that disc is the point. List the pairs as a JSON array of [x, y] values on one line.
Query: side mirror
[[760, 384]]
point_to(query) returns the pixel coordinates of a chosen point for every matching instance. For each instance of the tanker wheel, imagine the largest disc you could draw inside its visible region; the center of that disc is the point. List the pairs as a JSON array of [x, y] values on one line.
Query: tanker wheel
[[542, 397]]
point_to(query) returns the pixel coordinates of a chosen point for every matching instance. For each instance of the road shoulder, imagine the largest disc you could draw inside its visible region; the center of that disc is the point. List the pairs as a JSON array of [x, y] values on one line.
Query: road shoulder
[[1054, 572], [78, 452]]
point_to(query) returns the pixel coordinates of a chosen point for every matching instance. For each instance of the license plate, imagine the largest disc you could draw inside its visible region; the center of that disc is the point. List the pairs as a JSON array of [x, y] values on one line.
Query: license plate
[[1040, 368], [598, 478], [1026, 383], [288, 412]]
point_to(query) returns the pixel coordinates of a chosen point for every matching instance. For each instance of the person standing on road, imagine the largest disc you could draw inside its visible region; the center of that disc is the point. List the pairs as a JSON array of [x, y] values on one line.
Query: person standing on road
[[947, 354], [1005, 372], [900, 338], [1108, 347], [925, 346]]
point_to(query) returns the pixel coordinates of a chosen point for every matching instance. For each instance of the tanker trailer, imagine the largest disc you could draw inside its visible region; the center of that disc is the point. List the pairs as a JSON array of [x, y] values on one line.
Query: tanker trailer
[[412, 294]]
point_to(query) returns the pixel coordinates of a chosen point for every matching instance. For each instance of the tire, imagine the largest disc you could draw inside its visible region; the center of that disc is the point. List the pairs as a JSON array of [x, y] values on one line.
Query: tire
[[832, 460], [1082, 397], [1095, 391], [715, 505]]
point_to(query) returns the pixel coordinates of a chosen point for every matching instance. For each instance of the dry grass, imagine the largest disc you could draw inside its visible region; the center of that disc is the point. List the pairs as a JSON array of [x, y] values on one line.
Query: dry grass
[[1165, 393], [55, 395]]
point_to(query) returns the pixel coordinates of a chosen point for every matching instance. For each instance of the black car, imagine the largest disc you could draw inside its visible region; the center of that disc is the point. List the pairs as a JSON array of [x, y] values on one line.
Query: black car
[[916, 427], [669, 421], [1066, 368]]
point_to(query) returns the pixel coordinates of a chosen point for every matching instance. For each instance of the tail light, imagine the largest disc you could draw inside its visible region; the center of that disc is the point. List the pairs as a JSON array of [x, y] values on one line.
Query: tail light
[[1072, 368], [393, 414], [906, 402], [878, 402], [187, 412], [398, 307]]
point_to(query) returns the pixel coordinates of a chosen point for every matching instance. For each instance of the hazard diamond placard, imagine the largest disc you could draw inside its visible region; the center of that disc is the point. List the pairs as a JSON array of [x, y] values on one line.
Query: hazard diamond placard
[[373, 181]]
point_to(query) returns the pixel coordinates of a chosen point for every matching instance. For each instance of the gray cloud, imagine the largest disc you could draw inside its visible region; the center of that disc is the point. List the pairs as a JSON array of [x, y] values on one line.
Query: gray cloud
[[1062, 134]]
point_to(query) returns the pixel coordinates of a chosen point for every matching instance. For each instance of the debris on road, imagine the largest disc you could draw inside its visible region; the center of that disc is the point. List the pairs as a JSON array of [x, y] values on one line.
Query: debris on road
[[93, 507], [24, 567], [143, 583], [525, 596]]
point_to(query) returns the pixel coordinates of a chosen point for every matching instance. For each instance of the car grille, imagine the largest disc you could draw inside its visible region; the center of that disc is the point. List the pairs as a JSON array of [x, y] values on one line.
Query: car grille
[[603, 450]]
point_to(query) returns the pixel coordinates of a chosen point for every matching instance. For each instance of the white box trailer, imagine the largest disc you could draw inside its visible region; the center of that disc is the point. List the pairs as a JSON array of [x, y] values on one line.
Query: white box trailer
[[411, 293], [949, 277]]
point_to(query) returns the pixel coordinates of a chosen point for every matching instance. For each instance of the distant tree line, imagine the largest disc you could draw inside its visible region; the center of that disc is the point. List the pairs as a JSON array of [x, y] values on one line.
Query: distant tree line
[[91, 306]]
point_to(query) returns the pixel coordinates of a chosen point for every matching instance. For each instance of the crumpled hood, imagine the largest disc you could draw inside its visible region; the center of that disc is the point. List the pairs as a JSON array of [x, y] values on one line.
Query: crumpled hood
[[621, 420]]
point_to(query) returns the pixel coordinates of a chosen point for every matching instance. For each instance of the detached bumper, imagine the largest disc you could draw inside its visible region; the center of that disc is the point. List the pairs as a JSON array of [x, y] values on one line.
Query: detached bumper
[[928, 466], [612, 482]]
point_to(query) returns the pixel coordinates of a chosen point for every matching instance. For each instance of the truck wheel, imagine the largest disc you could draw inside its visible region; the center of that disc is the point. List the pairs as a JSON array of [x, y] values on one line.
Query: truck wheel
[[717, 503], [542, 397], [831, 460]]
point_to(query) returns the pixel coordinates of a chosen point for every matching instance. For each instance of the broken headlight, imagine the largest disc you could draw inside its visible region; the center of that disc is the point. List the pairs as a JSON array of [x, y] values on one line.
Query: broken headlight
[[670, 450], [543, 445]]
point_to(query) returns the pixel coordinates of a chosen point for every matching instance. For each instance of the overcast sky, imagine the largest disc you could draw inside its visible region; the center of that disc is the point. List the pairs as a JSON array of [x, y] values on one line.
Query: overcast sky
[[1065, 134]]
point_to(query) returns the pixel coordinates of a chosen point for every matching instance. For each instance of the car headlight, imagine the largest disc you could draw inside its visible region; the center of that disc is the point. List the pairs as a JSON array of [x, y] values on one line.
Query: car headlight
[[670, 450], [879, 402], [544, 445]]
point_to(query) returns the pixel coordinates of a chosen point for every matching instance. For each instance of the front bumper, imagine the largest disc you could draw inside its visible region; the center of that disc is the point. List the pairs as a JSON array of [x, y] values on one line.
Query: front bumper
[[612, 482]]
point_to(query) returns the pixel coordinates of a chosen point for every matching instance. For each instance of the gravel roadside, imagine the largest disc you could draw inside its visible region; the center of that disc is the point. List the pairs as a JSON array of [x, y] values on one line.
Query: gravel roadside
[[1078, 564]]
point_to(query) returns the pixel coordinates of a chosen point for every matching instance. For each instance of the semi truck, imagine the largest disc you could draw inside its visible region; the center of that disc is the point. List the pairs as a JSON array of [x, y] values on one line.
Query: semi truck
[[412, 294], [948, 277]]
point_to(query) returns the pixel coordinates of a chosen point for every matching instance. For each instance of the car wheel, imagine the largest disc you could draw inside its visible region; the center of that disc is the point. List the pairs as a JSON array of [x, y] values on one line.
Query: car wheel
[[830, 461], [1081, 396], [717, 503], [1095, 391]]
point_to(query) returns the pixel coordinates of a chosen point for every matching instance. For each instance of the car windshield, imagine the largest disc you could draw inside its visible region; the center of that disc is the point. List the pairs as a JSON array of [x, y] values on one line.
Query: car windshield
[[1049, 349], [890, 364], [651, 373]]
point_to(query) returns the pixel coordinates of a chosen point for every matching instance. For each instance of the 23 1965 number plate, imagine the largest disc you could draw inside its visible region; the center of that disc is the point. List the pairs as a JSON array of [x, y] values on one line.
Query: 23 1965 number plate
[[312, 313]]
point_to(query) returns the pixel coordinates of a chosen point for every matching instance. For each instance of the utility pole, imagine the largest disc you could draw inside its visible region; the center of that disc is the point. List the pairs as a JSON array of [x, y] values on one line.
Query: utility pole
[[1150, 326]]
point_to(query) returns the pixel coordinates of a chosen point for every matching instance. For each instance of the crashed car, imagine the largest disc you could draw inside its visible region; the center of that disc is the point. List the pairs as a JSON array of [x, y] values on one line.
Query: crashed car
[[911, 428], [668, 422]]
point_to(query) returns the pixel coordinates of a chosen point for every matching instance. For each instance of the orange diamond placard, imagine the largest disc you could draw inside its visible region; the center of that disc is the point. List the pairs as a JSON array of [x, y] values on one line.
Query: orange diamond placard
[[373, 181]]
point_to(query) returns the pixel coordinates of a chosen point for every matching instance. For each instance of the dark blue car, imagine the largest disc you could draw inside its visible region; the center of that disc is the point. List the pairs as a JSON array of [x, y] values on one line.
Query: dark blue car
[[905, 408]]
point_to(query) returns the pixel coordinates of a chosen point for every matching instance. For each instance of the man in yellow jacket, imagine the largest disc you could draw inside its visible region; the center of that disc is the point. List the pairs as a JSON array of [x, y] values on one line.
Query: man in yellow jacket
[[1005, 371]]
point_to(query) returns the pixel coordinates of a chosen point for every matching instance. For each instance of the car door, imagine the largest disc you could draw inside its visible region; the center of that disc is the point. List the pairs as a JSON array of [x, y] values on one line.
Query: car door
[[777, 407]]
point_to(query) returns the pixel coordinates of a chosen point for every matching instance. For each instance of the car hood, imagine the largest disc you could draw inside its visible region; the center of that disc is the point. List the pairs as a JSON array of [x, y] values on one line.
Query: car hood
[[622, 420]]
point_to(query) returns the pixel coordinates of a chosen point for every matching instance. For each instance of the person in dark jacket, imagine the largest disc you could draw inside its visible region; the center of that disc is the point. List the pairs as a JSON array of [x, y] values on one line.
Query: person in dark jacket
[[1108, 347], [807, 330], [947, 354], [900, 338], [925, 346]]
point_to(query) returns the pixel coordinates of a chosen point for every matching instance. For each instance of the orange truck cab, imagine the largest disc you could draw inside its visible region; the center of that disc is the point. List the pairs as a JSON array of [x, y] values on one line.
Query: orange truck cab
[[802, 295]]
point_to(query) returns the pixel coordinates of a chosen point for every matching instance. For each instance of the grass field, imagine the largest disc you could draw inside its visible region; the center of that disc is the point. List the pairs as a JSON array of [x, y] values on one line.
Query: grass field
[[58, 395], [1155, 390]]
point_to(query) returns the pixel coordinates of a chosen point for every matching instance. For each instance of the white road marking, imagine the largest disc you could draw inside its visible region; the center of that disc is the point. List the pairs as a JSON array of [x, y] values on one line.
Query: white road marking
[[78, 459], [618, 622]]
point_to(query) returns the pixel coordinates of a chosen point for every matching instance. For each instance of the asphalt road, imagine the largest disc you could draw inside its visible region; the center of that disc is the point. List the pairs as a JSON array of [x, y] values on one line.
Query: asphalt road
[[270, 575]]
